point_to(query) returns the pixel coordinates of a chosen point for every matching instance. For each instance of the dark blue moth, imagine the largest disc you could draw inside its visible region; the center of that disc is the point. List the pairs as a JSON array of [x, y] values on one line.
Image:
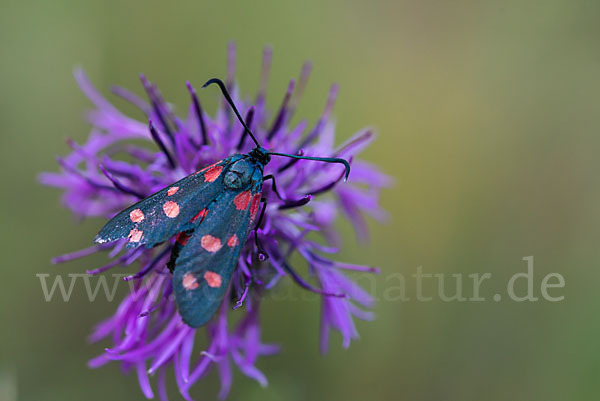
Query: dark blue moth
[[210, 213]]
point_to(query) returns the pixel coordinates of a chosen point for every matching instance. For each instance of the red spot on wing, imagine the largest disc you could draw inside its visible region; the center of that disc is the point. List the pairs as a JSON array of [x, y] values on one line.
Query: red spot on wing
[[213, 173], [135, 235], [213, 279], [241, 200], [207, 167], [233, 241], [136, 215], [189, 282], [200, 215], [210, 243], [172, 191], [182, 238], [171, 209], [254, 206]]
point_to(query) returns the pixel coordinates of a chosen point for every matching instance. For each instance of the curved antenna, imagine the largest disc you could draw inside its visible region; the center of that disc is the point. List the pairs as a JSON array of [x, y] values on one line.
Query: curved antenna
[[321, 159], [228, 98]]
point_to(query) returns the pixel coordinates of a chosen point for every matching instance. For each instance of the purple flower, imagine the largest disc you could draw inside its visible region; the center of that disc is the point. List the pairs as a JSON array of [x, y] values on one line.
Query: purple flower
[[147, 333]]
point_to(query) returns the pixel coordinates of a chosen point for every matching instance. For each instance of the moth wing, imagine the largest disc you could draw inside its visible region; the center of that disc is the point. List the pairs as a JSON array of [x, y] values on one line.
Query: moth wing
[[168, 211], [205, 264]]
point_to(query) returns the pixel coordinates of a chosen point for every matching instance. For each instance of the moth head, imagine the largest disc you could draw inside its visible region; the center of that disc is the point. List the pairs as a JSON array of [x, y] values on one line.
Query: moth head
[[261, 155]]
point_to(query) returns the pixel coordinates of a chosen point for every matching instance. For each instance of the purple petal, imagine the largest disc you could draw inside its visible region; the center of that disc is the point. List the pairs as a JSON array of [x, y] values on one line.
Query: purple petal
[[144, 380]]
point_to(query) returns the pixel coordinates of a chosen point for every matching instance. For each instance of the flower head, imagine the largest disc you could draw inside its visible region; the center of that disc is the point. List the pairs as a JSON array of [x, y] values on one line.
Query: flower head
[[109, 172]]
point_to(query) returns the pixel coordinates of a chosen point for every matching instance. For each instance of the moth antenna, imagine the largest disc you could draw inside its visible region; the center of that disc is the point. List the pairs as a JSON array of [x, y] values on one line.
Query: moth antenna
[[321, 159], [230, 101], [249, 117]]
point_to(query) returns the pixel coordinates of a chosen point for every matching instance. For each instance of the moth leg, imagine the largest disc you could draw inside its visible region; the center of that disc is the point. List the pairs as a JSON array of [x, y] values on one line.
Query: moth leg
[[300, 281], [262, 255], [274, 186], [287, 203]]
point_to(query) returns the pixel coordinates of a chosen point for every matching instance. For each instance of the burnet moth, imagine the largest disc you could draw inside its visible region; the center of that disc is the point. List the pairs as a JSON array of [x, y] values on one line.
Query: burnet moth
[[211, 213]]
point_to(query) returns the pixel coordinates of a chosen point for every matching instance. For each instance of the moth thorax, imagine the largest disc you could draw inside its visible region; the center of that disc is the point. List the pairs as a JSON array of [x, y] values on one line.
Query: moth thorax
[[239, 174]]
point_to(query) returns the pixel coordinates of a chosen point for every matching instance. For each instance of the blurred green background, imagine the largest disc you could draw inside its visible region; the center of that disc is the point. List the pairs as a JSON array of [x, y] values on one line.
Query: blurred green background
[[488, 118]]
